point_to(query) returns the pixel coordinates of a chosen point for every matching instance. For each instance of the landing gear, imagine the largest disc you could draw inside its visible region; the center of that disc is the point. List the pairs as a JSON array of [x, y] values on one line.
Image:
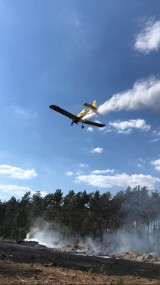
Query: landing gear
[[75, 122]]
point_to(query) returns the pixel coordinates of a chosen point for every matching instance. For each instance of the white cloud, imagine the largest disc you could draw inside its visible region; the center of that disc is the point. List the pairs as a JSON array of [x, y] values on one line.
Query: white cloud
[[22, 112], [69, 173], [90, 129], [15, 190], [156, 136], [83, 165], [126, 127], [149, 37], [145, 94], [103, 171], [156, 163], [141, 162], [16, 172], [119, 180], [79, 172], [97, 150]]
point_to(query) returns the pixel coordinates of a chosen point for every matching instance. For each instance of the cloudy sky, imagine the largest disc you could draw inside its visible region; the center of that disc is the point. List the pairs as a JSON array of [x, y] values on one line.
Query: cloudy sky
[[68, 52]]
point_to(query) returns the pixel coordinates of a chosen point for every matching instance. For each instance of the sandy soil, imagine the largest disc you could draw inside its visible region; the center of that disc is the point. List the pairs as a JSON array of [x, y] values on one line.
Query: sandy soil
[[36, 265]]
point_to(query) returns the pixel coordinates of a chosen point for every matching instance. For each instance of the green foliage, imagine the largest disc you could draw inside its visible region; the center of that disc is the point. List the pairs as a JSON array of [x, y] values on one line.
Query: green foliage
[[90, 270], [82, 214], [102, 269]]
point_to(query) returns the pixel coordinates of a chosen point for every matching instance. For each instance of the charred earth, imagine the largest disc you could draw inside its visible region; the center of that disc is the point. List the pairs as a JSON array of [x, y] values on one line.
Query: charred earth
[[31, 263]]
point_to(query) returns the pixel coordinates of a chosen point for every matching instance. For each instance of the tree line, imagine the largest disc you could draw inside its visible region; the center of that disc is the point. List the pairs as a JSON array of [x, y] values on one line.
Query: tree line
[[83, 214]]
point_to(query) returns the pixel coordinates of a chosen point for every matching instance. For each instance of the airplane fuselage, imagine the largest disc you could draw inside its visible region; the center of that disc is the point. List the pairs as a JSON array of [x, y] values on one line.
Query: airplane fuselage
[[83, 113]]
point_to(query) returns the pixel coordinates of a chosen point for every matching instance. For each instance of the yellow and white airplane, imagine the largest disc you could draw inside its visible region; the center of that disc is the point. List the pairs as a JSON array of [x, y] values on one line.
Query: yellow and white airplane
[[80, 117]]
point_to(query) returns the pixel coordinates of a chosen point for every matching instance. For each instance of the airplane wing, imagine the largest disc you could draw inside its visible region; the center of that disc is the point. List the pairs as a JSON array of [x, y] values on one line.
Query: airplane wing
[[94, 124], [63, 112]]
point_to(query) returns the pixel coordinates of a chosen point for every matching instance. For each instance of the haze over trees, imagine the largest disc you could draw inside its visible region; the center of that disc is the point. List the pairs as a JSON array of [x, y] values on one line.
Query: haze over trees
[[83, 214]]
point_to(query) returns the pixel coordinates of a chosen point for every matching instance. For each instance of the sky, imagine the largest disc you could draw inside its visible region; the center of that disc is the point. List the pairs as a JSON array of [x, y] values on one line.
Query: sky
[[66, 53]]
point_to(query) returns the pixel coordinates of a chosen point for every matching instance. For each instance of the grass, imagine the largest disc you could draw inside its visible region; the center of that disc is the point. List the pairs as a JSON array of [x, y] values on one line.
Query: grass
[[119, 282]]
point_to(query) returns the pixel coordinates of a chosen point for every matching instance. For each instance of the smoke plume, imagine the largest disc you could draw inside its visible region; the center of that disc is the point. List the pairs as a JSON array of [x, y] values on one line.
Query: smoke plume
[[124, 240], [48, 234], [145, 94]]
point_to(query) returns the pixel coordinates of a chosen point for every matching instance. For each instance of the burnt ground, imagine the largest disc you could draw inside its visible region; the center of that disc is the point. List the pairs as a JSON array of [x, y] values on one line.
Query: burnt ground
[[36, 265]]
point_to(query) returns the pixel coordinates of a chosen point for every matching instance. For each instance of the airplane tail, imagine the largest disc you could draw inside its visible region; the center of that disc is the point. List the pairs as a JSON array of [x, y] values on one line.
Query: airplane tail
[[92, 106]]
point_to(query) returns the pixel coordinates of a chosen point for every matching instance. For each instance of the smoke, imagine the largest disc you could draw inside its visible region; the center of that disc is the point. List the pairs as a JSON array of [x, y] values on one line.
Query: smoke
[[52, 236], [126, 241], [48, 234], [145, 94]]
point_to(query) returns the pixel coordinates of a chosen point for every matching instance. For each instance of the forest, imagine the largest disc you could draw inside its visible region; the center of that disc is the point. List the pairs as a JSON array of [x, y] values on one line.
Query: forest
[[83, 214]]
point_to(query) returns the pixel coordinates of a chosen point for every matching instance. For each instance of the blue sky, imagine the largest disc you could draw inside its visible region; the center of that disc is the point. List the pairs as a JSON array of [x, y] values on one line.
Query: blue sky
[[68, 52]]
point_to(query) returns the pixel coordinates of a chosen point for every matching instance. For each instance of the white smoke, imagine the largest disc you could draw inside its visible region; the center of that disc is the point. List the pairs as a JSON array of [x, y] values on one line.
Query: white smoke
[[145, 94], [125, 241], [50, 235]]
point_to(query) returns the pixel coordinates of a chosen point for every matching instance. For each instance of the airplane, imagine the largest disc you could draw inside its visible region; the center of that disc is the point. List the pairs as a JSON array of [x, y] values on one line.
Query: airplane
[[79, 118]]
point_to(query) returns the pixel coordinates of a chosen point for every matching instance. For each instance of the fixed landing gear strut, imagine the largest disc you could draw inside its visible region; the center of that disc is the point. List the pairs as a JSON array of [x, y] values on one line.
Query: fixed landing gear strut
[[77, 124]]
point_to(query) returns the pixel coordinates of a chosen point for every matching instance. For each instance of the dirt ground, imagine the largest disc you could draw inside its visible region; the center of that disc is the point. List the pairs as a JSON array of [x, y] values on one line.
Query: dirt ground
[[36, 265]]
